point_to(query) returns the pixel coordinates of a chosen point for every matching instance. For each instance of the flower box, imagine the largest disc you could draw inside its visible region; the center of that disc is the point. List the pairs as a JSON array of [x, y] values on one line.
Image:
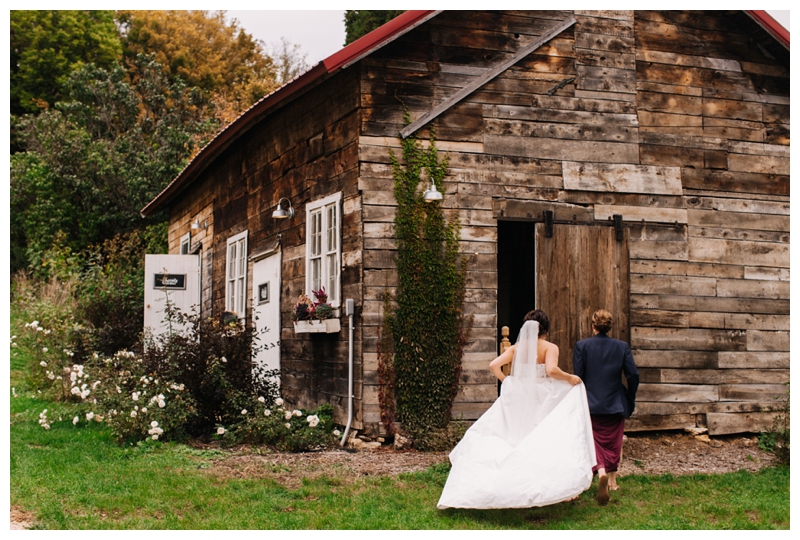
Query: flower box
[[328, 326]]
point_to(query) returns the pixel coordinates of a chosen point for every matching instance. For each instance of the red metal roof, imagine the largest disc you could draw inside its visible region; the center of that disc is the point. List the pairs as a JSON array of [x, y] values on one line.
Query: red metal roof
[[768, 23], [339, 60]]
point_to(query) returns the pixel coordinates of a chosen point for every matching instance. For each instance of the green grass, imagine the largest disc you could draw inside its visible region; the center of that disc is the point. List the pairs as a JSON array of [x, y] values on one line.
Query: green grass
[[78, 478]]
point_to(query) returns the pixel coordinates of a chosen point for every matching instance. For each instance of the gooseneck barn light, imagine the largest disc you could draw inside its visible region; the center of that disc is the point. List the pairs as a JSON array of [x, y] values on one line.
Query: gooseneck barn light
[[280, 213], [432, 194]]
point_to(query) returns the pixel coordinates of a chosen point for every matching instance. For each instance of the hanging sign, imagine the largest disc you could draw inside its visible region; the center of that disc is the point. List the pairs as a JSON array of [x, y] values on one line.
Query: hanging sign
[[170, 281]]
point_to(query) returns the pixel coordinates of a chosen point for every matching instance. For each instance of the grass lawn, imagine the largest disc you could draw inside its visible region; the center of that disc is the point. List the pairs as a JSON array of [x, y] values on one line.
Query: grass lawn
[[78, 478], [72, 477]]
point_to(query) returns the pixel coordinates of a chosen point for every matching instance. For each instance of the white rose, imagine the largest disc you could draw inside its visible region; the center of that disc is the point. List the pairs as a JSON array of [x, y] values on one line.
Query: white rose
[[133, 414], [261, 399], [336, 432], [221, 431], [135, 396], [244, 411], [297, 413], [43, 363], [279, 402], [44, 349], [161, 404], [153, 424], [287, 415], [312, 420], [144, 409], [155, 437], [267, 412], [75, 421], [288, 425], [89, 415]]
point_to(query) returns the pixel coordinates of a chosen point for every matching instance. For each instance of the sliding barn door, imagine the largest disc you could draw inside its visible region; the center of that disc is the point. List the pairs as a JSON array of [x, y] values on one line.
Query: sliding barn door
[[579, 270]]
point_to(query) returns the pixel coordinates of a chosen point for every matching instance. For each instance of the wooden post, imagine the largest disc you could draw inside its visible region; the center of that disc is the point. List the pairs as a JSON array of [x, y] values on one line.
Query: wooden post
[[505, 344]]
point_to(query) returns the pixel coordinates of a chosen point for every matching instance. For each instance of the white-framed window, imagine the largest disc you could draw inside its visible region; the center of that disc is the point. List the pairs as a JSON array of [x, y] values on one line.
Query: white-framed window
[[236, 275], [186, 243], [323, 247]]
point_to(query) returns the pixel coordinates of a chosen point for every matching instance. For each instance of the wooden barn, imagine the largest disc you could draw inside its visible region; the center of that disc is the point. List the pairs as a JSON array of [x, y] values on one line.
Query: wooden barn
[[636, 161]]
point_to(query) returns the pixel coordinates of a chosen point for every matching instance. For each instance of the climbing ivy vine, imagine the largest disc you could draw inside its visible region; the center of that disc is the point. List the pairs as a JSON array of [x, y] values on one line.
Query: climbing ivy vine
[[429, 328]]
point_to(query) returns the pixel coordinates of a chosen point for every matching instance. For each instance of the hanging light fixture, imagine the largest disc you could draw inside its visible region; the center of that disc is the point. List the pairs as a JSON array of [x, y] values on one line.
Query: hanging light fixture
[[432, 194], [280, 213]]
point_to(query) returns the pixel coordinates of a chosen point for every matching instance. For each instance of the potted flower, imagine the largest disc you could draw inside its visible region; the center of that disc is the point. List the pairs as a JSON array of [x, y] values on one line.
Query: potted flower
[[314, 317]]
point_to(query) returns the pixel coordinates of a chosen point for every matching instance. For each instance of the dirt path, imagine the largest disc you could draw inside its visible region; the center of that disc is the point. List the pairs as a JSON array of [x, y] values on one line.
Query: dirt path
[[652, 453]]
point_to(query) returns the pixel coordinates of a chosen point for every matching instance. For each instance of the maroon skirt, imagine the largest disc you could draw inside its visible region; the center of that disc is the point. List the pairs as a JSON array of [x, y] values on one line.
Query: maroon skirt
[[607, 430]]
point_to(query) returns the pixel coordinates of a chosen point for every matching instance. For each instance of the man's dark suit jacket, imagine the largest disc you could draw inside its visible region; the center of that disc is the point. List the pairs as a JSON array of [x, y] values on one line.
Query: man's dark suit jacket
[[600, 362]]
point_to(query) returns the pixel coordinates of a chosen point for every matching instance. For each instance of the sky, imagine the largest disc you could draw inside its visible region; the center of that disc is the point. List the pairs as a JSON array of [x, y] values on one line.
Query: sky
[[321, 33]]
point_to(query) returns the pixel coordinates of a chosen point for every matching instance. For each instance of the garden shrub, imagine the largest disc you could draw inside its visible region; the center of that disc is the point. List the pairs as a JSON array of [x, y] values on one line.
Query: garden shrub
[[288, 430], [110, 295], [136, 403], [213, 359]]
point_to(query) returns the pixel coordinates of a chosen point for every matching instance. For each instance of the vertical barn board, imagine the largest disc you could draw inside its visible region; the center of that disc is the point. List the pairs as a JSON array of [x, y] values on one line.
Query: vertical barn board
[[579, 270]]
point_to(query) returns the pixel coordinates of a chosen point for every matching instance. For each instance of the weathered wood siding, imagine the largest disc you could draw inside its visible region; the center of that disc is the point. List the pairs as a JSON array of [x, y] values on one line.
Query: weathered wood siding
[[306, 150], [677, 121]]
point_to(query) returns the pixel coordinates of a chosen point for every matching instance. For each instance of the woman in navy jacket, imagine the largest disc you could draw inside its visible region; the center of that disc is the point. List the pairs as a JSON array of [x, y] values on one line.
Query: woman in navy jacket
[[600, 361]]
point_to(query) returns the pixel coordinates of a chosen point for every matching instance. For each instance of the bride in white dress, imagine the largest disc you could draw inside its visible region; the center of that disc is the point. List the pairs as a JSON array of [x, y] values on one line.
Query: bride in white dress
[[534, 445]]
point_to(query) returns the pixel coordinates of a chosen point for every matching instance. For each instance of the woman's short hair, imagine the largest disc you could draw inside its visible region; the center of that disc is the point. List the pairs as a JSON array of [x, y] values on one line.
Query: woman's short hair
[[541, 317], [601, 320]]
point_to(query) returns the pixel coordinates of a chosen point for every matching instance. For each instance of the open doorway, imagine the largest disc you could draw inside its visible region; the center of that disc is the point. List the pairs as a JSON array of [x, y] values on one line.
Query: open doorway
[[516, 275]]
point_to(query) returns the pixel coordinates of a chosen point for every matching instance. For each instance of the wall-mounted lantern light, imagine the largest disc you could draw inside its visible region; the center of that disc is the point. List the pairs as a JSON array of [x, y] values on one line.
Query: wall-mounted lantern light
[[280, 213], [432, 194], [197, 225]]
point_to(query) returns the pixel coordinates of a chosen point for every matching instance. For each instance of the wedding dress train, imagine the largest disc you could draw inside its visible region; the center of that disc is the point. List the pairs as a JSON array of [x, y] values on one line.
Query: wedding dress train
[[534, 445]]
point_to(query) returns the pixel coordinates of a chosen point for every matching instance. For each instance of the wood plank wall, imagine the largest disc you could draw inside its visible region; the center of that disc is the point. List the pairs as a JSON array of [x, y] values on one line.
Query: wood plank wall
[[304, 151], [677, 121]]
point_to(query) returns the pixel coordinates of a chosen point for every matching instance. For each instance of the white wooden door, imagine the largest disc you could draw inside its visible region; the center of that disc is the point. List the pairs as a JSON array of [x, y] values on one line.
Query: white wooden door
[[173, 278], [267, 310]]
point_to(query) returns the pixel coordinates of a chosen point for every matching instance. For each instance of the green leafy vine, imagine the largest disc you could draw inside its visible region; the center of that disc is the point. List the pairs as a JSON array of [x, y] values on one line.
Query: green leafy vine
[[428, 325]]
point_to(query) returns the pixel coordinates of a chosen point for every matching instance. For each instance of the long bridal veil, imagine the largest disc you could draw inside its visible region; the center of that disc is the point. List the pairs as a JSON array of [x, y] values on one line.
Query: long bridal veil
[[534, 445]]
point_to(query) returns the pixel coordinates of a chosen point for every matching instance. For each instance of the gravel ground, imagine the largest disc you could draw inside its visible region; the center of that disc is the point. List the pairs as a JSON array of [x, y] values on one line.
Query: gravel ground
[[646, 453]]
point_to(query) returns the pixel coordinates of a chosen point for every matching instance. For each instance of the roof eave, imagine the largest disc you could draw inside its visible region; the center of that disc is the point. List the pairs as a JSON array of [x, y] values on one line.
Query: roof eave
[[768, 23], [337, 61]]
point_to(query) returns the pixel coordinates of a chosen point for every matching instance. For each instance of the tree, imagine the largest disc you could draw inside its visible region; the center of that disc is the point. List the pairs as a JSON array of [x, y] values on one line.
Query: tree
[[358, 23], [289, 61], [46, 46], [92, 162], [203, 50]]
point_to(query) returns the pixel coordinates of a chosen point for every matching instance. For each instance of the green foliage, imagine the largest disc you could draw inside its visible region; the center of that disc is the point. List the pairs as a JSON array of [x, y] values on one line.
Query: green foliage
[[92, 163], [110, 297], [136, 402], [777, 439], [214, 362], [429, 329], [45, 332], [47, 45], [268, 422], [358, 23], [386, 374], [199, 47]]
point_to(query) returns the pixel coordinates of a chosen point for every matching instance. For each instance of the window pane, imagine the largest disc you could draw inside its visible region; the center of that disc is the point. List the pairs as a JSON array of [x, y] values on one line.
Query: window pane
[[242, 259], [332, 236], [240, 305], [333, 278], [316, 229], [315, 274], [230, 296], [231, 261]]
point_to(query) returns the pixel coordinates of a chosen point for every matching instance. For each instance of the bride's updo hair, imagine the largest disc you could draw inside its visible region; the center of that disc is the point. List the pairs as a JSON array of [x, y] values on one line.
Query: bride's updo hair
[[541, 317], [602, 319]]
